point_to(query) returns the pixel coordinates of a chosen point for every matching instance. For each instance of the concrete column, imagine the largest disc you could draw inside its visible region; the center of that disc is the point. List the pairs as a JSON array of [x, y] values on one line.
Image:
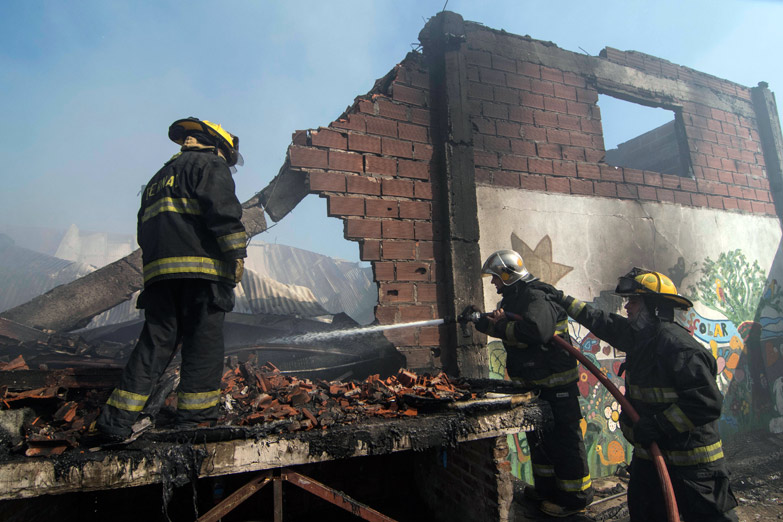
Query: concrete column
[[768, 122], [454, 186]]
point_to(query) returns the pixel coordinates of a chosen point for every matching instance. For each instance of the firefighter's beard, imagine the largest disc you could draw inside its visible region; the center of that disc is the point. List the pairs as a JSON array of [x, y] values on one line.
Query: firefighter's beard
[[642, 320]]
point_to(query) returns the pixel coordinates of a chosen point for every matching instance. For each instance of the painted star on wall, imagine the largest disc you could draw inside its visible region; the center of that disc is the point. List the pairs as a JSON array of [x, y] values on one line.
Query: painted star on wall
[[539, 261]]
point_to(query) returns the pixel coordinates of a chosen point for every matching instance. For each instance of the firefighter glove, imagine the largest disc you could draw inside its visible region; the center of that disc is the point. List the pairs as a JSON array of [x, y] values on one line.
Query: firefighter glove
[[239, 270], [646, 431]]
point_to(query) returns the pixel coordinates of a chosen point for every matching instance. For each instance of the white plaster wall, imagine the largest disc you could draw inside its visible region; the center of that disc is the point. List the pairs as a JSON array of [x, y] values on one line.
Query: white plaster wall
[[602, 238]]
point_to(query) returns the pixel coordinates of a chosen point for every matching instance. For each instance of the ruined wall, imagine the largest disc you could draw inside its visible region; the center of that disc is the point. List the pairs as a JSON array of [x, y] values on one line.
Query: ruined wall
[[373, 167], [544, 189]]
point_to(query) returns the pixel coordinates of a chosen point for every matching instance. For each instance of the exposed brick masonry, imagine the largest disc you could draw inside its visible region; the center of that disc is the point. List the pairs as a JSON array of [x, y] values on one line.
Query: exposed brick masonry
[[539, 128], [373, 167]]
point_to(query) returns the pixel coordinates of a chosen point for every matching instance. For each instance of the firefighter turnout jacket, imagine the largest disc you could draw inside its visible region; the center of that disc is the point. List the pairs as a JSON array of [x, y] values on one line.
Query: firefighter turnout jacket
[[529, 357], [557, 452], [189, 222]]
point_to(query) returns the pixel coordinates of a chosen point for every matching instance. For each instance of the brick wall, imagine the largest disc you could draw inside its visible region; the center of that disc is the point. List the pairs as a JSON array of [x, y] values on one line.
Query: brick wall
[[538, 127], [373, 167]]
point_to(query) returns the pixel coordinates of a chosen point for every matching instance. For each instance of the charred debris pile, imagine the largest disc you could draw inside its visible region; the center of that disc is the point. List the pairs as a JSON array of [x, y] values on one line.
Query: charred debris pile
[[48, 412]]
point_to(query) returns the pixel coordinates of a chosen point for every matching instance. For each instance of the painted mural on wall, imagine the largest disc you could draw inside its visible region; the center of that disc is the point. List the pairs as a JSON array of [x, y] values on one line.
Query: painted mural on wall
[[738, 316]]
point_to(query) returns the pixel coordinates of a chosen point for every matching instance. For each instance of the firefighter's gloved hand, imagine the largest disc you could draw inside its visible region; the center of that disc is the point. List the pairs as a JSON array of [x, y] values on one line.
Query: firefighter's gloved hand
[[647, 431], [466, 314], [239, 270]]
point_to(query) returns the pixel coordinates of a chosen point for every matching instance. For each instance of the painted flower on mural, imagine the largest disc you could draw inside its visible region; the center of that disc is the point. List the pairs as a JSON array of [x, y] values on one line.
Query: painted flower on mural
[[586, 381], [612, 414]]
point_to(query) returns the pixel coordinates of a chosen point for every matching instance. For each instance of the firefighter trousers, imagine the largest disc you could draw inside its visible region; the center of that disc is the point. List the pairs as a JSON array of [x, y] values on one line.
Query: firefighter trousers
[[178, 312], [703, 493], [558, 455]]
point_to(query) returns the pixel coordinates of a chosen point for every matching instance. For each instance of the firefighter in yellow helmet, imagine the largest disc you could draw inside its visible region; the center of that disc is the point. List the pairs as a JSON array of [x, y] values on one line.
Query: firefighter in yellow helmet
[[670, 382], [561, 475], [193, 248]]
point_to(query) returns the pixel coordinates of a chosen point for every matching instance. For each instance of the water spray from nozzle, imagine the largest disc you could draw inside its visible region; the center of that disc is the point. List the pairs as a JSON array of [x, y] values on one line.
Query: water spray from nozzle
[[350, 332]]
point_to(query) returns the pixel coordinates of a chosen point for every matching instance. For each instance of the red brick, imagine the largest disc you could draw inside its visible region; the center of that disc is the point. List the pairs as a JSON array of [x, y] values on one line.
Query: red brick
[[553, 75], [564, 168], [495, 111], [580, 139], [413, 132], [423, 230], [566, 92], [343, 206], [523, 148], [382, 208], [532, 182], [416, 209], [715, 202], [581, 186], [542, 87], [413, 271], [605, 188], [670, 182], [509, 129], [558, 136], [299, 138], [383, 271], [364, 143], [516, 81], [363, 185], [426, 292], [398, 250], [549, 150], [577, 108], [395, 293], [397, 187], [665, 195], [730, 203], [510, 162], [426, 250], [635, 176], [378, 165], [520, 114], [422, 190], [328, 138], [370, 250], [545, 119], [573, 79], [506, 179], [480, 91], [588, 171], [381, 126], [610, 173], [483, 158], [744, 204], [648, 193], [395, 111], [688, 184], [349, 161], [653, 179], [591, 126], [507, 96], [740, 179], [308, 157], [531, 100], [540, 166], [413, 169], [420, 116], [483, 176], [558, 185], [529, 69], [362, 228], [627, 191], [481, 58], [326, 182], [402, 93], [397, 229], [392, 147], [416, 313], [588, 96], [534, 133], [682, 198], [555, 105], [699, 200]]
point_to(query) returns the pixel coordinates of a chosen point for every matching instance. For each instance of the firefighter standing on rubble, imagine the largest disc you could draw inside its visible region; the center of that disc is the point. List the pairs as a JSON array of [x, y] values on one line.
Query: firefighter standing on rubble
[[558, 456], [670, 382], [193, 247]]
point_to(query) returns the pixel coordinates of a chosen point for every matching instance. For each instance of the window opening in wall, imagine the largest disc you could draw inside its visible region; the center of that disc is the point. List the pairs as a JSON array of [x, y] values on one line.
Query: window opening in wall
[[646, 138]]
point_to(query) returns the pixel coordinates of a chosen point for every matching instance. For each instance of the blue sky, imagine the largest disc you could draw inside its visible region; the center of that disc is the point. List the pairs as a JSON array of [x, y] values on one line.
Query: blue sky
[[89, 87]]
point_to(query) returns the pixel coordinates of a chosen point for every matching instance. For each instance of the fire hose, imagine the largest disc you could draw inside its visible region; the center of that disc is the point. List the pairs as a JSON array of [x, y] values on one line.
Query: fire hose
[[672, 513]]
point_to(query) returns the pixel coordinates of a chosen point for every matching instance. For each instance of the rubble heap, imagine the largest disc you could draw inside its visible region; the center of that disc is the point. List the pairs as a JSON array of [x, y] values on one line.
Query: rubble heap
[[49, 420]]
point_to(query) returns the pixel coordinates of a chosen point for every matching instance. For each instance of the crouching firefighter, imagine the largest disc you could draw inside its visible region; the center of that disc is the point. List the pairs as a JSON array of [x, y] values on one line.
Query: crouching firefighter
[[193, 247], [670, 382], [561, 476]]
